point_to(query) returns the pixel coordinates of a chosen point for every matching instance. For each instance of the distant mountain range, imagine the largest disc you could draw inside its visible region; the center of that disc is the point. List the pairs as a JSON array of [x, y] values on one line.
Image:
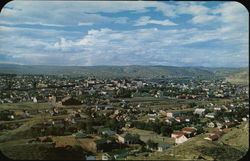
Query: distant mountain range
[[132, 71]]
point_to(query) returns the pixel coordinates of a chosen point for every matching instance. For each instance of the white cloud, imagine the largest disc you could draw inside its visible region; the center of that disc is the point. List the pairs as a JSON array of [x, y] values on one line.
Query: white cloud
[[227, 22], [146, 20], [121, 20], [203, 19], [85, 24]]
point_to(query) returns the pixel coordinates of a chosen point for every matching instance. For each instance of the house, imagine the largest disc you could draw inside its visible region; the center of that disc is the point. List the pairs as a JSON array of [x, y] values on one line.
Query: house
[[168, 121], [22, 116], [104, 107], [173, 114], [217, 108], [57, 121], [80, 135], [151, 119], [163, 146], [226, 119], [11, 117], [105, 131], [108, 132], [120, 156], [128, 125], [106, 156], [244, 119], [121, 138], [176, 133], [212, 138], [211, 124], [180, 119], [184, 107], [229, 124], [189, 131], [217, 132], [159, 94], [112, 116], [140, 105], [32, 112], [210, 115], [219, 125], [180, 139], [200, 111], [90, 157]]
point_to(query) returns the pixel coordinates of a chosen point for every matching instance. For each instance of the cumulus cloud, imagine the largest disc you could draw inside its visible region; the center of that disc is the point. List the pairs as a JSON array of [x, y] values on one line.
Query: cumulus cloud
[[146, 20], [206, 37]]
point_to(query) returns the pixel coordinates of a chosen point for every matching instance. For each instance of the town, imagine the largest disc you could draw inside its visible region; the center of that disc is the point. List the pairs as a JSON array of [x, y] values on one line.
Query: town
[[116, 119]]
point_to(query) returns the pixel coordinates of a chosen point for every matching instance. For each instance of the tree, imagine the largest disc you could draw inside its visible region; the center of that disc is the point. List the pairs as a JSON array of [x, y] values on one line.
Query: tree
[[166, 130], [133, 138], [151, 144], [192, 104]]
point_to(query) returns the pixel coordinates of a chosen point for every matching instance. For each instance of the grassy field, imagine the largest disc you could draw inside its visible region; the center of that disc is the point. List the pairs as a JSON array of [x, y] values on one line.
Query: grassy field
[[145, 135], [238, 137], [86, 143], [197, 148], [24, 106], [167, 104]]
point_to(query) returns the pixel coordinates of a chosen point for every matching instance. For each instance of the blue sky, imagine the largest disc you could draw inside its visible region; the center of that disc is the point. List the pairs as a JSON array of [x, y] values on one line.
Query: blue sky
[[82, 33]]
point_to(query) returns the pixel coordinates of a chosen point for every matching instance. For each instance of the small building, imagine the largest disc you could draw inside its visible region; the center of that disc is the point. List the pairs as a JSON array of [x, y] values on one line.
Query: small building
[[217, 132], [219, 125], [212, 138], [226, 119], [210, 115], [173, 114], [189, 131], [211, 124], [229, 124], [106, 156], [121, 138], [79, 135], [200, 111], [163, 146], [180, 139], [104, 107], [176, 133], [90, 157], [108, 132], [180, 119], [217, 108]]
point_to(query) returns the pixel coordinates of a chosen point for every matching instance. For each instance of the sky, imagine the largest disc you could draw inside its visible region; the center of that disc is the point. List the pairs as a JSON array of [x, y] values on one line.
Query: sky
[[85, 33]]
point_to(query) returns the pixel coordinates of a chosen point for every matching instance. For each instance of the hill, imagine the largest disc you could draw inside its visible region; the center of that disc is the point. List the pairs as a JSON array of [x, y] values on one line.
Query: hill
[[239, 78], [120, 71], [231, 146]]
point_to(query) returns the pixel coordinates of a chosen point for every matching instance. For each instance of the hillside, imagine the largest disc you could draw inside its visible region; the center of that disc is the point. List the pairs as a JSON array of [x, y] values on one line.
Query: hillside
[[120, 71], [232, 146], [239, 78]]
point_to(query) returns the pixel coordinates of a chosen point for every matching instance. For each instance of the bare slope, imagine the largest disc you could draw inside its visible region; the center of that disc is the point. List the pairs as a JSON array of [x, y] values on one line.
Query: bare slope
[[239, 78]]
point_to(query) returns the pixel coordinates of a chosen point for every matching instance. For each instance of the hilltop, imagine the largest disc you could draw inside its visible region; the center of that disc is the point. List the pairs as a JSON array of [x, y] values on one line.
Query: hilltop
[[121, 71]]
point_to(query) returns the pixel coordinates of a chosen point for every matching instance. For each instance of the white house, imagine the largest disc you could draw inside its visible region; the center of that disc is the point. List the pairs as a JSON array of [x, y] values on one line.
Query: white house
[[210, 115], [175, 134], [172, 114], [180, 139], [199, 111], [121, 138], [106, 156], [211, 124]]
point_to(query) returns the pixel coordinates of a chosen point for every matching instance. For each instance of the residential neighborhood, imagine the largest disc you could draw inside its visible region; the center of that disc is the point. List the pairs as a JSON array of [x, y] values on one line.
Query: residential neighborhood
[[115, 119]]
